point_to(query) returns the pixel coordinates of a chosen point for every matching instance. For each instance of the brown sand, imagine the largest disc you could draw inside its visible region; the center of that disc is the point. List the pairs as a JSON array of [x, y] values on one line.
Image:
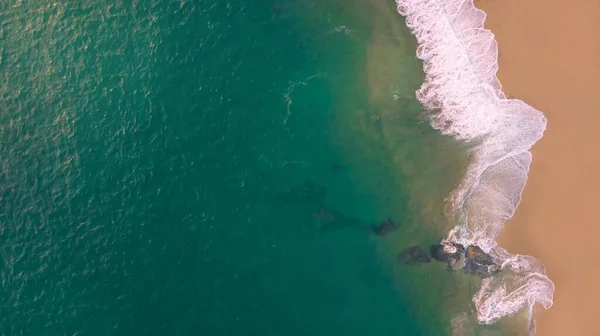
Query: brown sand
[[550, 58]]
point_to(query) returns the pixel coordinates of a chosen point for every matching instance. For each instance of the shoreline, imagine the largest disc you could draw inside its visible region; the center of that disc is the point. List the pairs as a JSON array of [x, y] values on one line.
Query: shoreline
[[550, 58], [460, 60]]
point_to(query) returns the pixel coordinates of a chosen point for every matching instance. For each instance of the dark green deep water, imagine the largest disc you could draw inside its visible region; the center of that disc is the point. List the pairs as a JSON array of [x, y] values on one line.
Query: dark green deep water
[[163, 165]]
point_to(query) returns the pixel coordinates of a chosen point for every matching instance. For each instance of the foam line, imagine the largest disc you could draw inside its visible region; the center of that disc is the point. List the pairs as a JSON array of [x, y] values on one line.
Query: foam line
[[461, 89]]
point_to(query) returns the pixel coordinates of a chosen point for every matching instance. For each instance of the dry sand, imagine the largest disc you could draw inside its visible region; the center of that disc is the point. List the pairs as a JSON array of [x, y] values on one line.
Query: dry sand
[[550, 58]]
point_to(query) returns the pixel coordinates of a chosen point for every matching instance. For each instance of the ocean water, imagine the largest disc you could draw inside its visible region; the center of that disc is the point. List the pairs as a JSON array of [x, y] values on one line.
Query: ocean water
[[165, 165], [213, 168]]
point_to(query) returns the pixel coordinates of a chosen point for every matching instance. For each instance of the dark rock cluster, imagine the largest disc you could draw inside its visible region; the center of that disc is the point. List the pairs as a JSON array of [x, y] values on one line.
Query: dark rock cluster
[[478, 262], [447, 252], [470, 259]]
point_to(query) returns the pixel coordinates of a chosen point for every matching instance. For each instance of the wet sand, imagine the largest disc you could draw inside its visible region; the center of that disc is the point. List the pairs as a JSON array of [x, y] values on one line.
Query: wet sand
[[550, 58]]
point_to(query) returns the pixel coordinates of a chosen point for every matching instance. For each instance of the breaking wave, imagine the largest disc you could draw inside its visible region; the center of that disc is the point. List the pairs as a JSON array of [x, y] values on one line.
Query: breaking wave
[[460, 61]]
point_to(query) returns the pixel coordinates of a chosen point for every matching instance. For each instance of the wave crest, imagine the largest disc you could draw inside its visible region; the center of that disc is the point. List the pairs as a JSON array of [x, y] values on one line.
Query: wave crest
[[460, 61]]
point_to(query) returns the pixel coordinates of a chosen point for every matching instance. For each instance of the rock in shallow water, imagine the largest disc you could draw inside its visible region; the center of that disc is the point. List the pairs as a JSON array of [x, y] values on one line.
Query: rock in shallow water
[[478, 262], [447, 252], [413, 254], [471, 259]]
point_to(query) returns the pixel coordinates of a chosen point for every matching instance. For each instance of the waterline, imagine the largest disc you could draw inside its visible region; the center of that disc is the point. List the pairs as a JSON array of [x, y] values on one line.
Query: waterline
[[460, 61]]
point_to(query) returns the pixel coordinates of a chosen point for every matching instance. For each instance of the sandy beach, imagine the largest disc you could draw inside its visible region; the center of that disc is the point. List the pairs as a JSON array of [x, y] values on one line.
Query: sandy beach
[[550, 58]]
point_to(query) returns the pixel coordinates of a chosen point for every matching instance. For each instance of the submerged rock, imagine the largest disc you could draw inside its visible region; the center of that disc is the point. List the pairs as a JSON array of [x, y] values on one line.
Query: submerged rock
[[384, 228], [332, 219], [413, 254], [337, 167]]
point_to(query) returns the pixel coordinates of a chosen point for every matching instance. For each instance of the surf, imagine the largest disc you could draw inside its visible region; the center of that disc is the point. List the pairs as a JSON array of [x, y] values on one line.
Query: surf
[[464, 97]]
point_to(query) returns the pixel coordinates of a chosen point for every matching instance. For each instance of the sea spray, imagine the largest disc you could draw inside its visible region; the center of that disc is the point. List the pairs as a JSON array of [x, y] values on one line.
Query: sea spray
[[461, 89]]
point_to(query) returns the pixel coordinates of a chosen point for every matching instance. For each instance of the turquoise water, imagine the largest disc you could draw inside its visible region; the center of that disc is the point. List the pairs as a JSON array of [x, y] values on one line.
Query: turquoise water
[[172, 168]]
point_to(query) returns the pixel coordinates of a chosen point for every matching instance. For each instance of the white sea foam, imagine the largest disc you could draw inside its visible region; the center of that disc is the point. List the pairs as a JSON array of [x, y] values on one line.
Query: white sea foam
[[460, 61]]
